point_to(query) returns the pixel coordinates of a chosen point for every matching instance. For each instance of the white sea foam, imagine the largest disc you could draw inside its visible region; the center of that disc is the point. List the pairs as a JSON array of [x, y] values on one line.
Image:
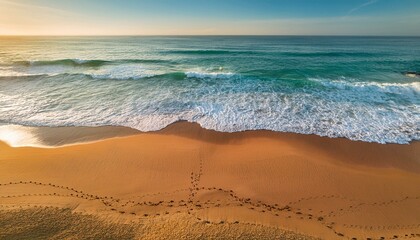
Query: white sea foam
[[8, 71], [374, 90], [126, 71], [110, 71], [119, 71], [411, 87], [211, 75]]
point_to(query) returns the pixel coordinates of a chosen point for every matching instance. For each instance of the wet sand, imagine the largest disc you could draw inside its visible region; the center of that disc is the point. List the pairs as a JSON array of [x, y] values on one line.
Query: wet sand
[[188, 182]]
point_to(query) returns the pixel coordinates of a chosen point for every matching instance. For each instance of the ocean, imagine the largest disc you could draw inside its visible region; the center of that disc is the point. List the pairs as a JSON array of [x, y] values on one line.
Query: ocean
[[351, 87]]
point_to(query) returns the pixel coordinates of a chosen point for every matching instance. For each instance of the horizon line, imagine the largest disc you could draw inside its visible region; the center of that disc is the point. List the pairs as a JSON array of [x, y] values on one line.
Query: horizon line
[[202, 35]]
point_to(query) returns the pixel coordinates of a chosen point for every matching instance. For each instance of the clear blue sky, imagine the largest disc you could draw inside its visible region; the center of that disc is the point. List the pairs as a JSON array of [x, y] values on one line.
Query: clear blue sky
[[167, 17]]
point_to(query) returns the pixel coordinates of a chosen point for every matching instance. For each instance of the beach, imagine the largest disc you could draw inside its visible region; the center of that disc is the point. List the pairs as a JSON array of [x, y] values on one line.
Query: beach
[[209, 137], [185, 181], [239, 119]]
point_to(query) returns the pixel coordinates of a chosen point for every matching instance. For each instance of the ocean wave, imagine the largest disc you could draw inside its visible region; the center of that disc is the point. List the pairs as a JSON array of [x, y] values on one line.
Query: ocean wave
[[359, 113], [102, 70], [63, 62], [83, 62], [8, 71], [372, 127], [118, 72], [123, 74], [331, 54], [207, 52], [410, 89], [211, 75]]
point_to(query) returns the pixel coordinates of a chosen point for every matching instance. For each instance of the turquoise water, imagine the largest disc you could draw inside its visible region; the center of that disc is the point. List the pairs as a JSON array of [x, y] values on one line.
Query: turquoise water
[[352, 87]]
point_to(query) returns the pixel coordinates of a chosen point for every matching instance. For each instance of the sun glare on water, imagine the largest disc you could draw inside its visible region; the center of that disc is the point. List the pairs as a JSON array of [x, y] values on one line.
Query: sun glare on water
[[17, 136]]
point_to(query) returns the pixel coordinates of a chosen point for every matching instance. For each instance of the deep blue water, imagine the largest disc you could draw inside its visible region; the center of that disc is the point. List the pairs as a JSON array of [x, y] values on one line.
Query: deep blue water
[[351, 87]]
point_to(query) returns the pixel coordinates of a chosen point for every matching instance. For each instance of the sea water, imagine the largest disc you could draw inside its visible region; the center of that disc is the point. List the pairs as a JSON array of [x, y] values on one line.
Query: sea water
[[352, 87]]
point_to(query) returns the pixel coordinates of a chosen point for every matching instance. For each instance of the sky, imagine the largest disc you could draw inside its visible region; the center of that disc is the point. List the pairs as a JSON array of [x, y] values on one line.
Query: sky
[[210, 17]]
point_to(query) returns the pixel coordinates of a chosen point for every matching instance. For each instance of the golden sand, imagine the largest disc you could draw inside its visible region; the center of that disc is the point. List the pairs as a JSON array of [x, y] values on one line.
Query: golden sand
[[188, 182]]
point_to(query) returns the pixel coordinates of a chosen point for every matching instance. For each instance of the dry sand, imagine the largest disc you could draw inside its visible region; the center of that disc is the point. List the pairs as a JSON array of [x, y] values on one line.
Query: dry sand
[[188, 182]]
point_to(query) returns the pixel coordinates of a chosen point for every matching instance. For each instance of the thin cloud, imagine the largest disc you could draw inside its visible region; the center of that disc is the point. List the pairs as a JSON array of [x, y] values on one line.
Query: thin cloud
[[362, 6], [41, 8]]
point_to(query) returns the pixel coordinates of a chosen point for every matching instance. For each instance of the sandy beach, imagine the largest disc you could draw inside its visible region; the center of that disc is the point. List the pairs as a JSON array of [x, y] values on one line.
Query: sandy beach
[[188, 182], [239, 119]]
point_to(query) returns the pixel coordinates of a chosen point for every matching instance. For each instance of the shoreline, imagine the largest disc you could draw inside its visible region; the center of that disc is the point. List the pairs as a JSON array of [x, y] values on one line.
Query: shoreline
[[216, 182], [342, 148], [52, 136]]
